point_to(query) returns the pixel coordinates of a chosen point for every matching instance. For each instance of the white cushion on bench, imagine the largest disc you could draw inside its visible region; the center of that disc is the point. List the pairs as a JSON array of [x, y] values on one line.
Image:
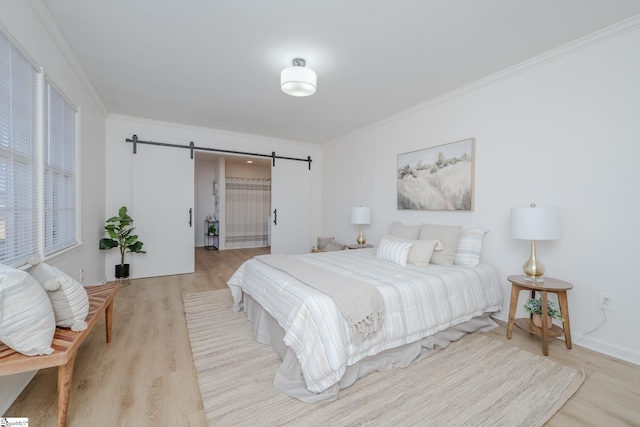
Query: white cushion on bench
[[68, 297], [27, 322]]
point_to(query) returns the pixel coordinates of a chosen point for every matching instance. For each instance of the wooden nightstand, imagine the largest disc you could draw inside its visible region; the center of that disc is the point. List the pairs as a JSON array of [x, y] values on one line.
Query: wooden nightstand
[[560, 288]]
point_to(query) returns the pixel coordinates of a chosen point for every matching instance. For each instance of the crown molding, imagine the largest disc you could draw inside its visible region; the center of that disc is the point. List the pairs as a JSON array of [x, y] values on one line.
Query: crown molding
[[211, 131], [51, 27], [607, 33]]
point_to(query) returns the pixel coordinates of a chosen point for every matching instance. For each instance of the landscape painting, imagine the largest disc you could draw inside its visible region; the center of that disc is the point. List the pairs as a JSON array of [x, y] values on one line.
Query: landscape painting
[[437, 178]]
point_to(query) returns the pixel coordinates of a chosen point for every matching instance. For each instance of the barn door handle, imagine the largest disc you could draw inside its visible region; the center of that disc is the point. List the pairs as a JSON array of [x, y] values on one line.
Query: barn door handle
[[190, 217], [275, 217]]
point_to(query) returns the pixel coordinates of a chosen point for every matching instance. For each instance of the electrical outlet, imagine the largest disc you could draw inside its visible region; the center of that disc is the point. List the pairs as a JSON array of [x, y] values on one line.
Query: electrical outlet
[[82, 275], [605, 301]]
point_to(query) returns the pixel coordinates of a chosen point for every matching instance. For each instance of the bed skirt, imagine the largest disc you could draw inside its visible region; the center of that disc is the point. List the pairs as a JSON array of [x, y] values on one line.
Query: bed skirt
[[290, 380]]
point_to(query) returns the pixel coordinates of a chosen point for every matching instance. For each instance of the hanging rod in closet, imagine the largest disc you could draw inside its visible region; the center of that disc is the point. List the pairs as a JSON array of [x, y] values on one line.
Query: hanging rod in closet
[[134, 139]]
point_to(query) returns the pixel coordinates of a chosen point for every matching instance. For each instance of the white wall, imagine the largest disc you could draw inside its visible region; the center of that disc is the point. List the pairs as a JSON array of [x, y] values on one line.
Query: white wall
[[24, 24], [563, 133], [119, 152]]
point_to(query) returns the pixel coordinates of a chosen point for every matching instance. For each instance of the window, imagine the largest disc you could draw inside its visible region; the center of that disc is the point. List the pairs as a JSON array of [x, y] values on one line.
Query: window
[[18, 124], [59, 173], [36, 151]]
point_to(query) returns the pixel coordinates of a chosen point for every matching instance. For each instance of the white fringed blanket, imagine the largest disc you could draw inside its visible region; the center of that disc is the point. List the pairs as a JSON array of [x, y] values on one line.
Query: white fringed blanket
[[359, 302]]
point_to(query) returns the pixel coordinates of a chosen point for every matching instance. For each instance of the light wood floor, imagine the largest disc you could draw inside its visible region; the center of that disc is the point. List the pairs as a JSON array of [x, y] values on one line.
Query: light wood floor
[[145, 377]]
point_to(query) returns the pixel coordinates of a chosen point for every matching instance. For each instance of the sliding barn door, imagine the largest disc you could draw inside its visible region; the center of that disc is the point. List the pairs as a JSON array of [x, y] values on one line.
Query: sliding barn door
[[163, 201], [291, 201]]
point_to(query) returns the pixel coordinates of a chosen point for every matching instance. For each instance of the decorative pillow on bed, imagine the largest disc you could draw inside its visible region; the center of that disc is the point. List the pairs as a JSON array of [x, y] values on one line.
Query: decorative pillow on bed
[[411, 232], [448, 235], [68, 297], [421, 250], [396, 252], [27, 323], [469, 248], [324, 242], [335, 246]]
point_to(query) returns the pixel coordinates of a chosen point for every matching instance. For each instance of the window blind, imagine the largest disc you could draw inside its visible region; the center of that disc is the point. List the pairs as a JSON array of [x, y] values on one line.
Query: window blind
[[18, 130], [59, 173]]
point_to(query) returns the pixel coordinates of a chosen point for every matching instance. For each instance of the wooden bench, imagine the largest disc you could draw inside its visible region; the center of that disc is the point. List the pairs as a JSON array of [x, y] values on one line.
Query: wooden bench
[[65, 345]]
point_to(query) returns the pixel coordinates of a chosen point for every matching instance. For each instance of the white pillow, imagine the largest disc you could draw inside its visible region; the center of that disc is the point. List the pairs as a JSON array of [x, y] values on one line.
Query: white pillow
[[68, 297], [448, 235], [421, 250], [396, 252], [411, 232], [469, 248], [27, 323], [334, 246], [325, 242]]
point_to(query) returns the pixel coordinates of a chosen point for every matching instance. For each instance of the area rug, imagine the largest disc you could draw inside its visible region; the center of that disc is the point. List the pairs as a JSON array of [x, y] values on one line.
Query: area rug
[[476, 381]]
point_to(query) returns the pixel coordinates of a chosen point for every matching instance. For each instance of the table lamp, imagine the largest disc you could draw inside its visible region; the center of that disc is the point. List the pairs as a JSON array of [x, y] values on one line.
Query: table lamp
[[535, 223], [360, 216]]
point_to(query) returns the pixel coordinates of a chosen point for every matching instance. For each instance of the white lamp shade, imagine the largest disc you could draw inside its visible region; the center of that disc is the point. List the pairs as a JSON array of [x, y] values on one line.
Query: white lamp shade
[[360, 215], [298, 81], [535, 223]]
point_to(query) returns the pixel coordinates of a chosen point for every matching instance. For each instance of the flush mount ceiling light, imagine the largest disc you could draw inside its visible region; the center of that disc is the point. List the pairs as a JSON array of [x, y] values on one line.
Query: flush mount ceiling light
[[298, 80]]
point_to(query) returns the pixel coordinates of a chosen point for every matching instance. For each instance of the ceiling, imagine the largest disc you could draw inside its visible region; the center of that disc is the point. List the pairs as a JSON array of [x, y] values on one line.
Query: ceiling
[[216, 64]]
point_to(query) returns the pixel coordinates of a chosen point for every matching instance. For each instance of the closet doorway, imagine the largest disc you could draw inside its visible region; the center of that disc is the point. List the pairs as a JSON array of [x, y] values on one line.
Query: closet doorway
[[235, 192]]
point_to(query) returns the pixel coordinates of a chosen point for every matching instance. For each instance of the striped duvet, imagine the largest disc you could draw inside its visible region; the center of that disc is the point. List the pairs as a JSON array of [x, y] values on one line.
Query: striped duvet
[[418, 301]]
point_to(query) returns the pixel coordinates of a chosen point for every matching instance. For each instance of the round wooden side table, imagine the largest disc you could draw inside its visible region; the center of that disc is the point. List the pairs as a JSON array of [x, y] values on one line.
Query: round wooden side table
[[560, 288]]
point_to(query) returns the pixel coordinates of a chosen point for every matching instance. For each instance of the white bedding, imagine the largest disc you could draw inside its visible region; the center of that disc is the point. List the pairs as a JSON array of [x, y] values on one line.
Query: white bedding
[[418, 301]]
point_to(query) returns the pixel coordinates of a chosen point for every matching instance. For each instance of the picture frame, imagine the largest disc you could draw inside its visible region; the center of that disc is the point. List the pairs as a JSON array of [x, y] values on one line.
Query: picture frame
[[437, 178]]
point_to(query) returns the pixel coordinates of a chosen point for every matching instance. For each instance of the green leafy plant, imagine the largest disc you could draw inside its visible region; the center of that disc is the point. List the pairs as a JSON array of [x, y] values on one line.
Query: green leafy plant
[[121, 235], [534, 306], [212, 230]]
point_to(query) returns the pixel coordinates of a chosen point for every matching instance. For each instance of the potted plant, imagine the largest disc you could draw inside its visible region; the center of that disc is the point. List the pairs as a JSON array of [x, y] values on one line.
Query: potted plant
[[121, 236], [212, 230], [534, 307]]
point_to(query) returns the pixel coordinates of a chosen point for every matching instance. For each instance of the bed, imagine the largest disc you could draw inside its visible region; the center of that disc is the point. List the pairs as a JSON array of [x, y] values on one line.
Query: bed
[[424, 308]]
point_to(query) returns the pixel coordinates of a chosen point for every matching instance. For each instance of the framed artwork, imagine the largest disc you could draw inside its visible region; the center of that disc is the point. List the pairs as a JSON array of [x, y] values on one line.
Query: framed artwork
[[437, 178]]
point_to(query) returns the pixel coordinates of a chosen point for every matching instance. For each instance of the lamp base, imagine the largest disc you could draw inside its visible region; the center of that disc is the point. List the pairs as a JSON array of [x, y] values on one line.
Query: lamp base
[[361, 240], [533, 268]]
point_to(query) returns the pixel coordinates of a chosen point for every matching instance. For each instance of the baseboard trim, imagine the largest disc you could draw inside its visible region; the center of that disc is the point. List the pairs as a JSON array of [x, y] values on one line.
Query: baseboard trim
[[603, 347]]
